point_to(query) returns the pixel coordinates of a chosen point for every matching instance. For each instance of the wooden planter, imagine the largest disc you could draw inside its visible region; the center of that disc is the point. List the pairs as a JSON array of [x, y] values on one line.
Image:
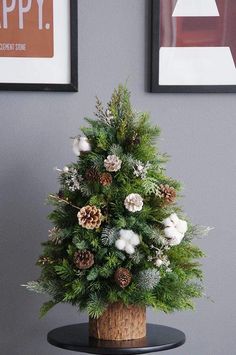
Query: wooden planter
[[119, 322]]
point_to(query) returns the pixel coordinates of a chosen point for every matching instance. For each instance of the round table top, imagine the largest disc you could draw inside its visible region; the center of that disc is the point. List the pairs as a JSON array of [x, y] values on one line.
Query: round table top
[[76, 338]]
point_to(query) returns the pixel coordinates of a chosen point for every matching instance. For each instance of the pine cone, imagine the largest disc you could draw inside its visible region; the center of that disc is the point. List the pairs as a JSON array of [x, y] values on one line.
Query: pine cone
[[123, 277], [136, 139], [133, 140], [60, 194], [105, 179], [133, 202], [84, 259], [112, 163], [168, 193], [92, 175], [90, 217]]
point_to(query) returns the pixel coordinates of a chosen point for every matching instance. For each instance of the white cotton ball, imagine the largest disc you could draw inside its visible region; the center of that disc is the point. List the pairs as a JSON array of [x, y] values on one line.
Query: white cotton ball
[[129, 249], [84, 145], [66, 169], [173, 235], [176, 240], [81, 144], [135, 239], [120, 244], [174, 218], [182, 226], [76, 149], [170, 232], [168, 222], [125, 234], [122, 232]]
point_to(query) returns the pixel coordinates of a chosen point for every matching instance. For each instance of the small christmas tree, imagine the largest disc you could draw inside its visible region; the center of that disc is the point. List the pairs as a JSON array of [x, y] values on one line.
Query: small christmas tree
[[118, 235]]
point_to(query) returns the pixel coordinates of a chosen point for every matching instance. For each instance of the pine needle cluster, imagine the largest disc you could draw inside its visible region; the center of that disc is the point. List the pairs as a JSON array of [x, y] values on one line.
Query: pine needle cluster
[[164, 276]]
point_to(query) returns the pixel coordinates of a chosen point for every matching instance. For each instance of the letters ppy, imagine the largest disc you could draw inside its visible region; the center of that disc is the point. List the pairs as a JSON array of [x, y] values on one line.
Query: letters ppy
[[22, 7]]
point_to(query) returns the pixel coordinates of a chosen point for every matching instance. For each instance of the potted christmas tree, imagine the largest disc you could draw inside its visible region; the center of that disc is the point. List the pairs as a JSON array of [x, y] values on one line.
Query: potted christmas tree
[[119, 243]]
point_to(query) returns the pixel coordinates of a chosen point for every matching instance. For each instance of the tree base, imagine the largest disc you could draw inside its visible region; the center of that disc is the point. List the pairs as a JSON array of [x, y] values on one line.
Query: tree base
[[119, 322]]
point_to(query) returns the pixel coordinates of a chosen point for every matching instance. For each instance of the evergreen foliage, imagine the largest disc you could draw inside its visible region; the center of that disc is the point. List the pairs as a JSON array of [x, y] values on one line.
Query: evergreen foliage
[[164, 276]]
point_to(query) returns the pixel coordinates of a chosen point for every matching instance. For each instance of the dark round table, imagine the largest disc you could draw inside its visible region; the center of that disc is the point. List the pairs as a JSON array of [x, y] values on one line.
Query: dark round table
[[76, 338]]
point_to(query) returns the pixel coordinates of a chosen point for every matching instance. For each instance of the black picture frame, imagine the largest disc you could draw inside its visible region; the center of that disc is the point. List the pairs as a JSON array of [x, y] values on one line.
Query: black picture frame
[[155, 46], [73, 85]]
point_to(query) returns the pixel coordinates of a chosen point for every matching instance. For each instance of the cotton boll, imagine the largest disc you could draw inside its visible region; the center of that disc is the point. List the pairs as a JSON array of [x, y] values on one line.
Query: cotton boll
[[176, 240], [135, 240], [81, 144], [174, 236], [174, 218], [127, 241], [168, 222], [66, 169], [76, 149], [129, 249], [122, 232], [84, 145], [171, 232], [126, 234], [182, 226], [120, 244]]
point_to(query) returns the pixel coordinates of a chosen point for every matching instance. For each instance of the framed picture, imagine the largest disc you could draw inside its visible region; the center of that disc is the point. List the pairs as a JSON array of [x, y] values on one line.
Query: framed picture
[[193, 46], [38, 45]]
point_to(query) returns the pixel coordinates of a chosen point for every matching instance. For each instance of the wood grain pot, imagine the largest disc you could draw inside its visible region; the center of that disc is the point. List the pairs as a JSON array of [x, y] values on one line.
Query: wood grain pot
[[119, 322]]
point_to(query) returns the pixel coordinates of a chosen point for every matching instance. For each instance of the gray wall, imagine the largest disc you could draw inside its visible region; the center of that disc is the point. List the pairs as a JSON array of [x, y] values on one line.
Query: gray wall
[[199, 134]]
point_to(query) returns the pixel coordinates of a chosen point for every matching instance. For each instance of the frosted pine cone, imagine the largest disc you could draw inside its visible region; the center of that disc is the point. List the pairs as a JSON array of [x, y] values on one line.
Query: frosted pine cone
[[105, 179], [84, 259], [168, 193], [123, 277], [112, 163], [133, 202], [90, 217]]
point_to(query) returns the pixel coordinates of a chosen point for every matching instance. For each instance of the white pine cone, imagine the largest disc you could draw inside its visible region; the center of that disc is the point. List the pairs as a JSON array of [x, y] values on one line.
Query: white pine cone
[[133, 202], [112, 163]]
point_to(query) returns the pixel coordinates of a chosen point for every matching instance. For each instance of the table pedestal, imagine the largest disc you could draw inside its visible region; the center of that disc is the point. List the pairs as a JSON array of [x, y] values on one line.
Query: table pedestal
[[76, 338]]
